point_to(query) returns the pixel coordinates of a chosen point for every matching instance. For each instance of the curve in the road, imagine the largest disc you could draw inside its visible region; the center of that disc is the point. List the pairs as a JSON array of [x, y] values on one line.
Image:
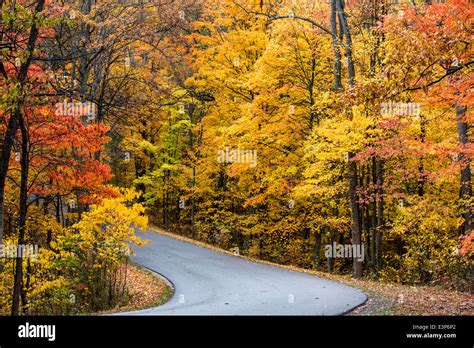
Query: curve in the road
[[207, 282]]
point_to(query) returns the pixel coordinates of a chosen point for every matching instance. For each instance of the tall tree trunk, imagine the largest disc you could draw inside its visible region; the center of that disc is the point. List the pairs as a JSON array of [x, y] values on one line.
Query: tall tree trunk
[[348, 45], [465, 189], [49, 235], [5, 159], [368, 230], [193, 204], [336, 47], [312, 112], [58, 208], [355, 213], [421, 166], [25, 289], [330, 260], [84, 56], [317, 251], [18, 278], [191, 110], [374, 216], [380, 216], [14, 121], [352, 167]]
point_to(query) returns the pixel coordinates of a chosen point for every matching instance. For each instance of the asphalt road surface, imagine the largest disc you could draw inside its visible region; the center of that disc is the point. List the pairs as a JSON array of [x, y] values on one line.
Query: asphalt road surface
[[207, 282]]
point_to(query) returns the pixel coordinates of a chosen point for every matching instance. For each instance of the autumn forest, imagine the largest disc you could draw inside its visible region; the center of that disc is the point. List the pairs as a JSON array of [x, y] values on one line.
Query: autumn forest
[[289, 131]]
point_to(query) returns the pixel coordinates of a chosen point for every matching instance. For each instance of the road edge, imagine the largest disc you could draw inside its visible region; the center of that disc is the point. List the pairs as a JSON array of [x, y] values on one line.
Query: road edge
[[158, 230]]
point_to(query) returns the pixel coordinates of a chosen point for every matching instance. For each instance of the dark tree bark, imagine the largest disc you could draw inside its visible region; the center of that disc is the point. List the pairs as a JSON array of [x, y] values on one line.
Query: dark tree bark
[[421, 166], [380, 215], [191, 110], [317, 251], [348, 45], [373, 254], [352, 167], [14, 122], [368, 230], [465, 189], [336, 47], [355, 213], [330, 260], [24, 161]]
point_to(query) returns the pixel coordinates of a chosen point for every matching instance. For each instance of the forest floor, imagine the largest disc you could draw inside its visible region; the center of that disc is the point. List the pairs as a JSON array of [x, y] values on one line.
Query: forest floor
[[383, 298], [397, 299]]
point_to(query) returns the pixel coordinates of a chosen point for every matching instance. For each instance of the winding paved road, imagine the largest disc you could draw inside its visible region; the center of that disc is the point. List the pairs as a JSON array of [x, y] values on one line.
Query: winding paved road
[[209, 282]]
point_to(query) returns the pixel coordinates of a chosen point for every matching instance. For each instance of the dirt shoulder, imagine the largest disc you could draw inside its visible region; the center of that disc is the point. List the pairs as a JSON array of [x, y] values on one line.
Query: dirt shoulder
[[147, 289]]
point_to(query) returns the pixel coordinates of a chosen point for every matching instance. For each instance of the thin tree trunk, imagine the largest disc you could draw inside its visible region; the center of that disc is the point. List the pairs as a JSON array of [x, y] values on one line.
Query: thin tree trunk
[[317, 251], [355, 214], [367, 234], [25, 289], [58, 209], [330, 260], [352, 167], [336, 47], [14, 121], [465, 189], [193, 204], [421, 166], [348, 45], [380, 215], [374, 216], [18, 278], [191, 110]]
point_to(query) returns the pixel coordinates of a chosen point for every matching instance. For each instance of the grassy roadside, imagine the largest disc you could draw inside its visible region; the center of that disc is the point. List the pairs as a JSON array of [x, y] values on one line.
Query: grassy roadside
[[384, 298]]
